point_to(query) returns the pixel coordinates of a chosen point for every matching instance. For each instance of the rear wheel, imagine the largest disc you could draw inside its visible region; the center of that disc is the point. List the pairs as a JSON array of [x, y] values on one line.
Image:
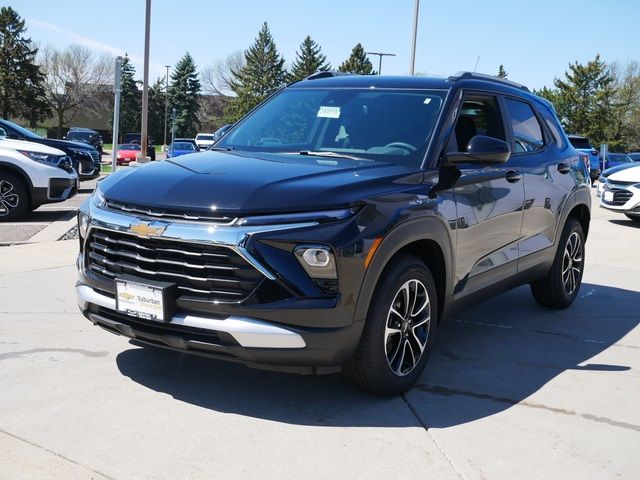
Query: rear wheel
[[399, 331], [561, 285], [14, 198], [633, 217]]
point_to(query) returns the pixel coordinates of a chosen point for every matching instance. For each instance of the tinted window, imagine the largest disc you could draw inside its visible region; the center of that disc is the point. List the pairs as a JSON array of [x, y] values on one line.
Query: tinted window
[[527, 131], [580, 142], [478, 116]]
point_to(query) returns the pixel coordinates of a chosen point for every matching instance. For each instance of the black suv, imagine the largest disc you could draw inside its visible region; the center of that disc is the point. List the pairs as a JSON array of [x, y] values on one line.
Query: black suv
[[84, 158], [338, 223], [86, 135]]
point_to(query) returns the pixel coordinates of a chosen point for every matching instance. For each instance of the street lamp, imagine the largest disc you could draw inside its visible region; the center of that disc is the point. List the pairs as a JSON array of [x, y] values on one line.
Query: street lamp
[[117, 89], [380, 55], [412, 66], [166, 103]]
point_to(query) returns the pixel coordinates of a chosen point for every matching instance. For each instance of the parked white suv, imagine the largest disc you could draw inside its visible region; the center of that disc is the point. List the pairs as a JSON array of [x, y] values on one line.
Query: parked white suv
[[32, 174], [204, 140], [620, 190]]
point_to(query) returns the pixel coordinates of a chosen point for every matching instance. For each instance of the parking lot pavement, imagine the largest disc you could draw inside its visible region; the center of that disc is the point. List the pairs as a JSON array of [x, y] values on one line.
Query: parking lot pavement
[[511, 391], [48, 222]]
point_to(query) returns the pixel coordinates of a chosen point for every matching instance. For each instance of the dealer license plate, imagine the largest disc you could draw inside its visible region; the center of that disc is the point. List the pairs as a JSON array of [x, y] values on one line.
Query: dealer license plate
[[608, 196], [140, 300]]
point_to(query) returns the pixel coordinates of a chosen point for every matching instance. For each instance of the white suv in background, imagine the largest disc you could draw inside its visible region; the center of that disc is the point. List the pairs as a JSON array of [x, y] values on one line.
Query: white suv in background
[[32, 174], [204, 140]]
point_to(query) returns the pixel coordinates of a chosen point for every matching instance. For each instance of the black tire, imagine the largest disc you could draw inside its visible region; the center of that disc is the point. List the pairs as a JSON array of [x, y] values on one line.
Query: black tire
[[635, 218], [370, 367], [561, 285], [14, 197]]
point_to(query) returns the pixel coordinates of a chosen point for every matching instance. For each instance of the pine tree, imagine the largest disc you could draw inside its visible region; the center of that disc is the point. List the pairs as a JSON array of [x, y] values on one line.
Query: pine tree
[[309, 60], [502, 73], [130, 98], [357, 63], [22, 91], [183, 96], [261, 76], [156, 111]]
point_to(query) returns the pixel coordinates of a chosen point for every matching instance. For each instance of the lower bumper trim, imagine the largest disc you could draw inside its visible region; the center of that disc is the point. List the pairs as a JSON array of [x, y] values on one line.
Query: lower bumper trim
[[248, 332]]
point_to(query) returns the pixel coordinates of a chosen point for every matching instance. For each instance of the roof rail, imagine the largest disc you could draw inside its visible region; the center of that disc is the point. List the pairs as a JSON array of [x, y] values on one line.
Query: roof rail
[[326, 74], [487, 78]]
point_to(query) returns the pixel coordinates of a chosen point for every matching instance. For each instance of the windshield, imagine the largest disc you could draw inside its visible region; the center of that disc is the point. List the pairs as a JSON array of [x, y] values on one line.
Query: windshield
[[22, 131], [84, 136], [183, 146], [374, 124], [204, 137], [129, 147], [619, 157]]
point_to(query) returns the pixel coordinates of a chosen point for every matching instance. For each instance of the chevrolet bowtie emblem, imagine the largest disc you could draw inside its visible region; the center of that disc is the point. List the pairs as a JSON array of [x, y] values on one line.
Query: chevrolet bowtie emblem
[[145, 230]]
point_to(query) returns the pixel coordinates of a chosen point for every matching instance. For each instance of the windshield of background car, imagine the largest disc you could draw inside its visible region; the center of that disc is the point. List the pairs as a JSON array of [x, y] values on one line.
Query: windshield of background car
[[205, 137], [129, 147], [183, 146], [374, 124], [619, 157], [82, 136], [582, 143]]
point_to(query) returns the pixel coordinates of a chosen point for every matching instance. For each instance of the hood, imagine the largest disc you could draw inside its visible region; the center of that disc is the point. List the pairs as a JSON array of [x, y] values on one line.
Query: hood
[[65, 144], [247, 183], [624, 173], [30, 147]]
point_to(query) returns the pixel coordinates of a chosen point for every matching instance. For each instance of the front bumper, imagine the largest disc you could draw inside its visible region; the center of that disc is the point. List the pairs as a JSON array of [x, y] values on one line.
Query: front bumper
[[58, 190]]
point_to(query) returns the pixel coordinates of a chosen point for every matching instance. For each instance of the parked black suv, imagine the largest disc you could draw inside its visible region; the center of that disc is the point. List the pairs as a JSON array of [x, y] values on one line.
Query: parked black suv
[[85, 158], [339, 223], [86, 135]]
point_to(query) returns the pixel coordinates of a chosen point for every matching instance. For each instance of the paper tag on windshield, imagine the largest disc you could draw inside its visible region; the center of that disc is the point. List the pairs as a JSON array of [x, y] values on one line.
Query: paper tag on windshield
[[329, 112]]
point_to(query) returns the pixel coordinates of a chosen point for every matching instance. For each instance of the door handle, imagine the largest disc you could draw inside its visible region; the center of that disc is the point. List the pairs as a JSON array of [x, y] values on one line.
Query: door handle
[[512, 176], [563, 168]]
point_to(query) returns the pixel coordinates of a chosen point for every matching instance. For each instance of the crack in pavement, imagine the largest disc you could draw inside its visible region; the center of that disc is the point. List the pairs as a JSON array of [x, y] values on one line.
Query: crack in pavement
[[28, 442], [21, 353], [445, 391]]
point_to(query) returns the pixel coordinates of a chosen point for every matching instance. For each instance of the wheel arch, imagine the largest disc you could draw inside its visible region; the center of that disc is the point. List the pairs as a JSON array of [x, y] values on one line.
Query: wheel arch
[[428, 239]]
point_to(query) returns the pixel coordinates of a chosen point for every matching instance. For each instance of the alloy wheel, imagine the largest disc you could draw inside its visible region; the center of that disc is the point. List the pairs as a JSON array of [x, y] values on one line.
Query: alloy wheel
[[407, 327], [572, 263], [9, 199]]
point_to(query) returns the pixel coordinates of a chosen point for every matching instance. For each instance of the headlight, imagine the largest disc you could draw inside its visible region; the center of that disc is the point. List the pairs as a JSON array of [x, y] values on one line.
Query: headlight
[[317, 260], [41, 157], [97, 198]]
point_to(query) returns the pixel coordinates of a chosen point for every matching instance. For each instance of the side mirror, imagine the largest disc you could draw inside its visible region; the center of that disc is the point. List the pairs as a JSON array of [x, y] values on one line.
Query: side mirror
[[482, 150]]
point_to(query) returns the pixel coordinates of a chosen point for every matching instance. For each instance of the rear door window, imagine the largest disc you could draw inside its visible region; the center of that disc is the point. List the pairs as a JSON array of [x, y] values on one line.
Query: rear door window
[[527, 131]]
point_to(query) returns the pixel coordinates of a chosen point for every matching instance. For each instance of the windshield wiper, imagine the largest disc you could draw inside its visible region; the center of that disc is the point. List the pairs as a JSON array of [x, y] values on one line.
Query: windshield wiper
[[330, 154]]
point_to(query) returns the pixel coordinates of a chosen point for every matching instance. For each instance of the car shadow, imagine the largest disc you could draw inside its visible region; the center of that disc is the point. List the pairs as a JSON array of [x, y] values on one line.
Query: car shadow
[[502, 350], [626, 223], [46, 216]]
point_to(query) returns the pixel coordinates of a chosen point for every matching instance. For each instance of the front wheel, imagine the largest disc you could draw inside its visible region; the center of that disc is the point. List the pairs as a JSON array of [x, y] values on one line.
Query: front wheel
[[399, 330], [561, 285], [14, 198]]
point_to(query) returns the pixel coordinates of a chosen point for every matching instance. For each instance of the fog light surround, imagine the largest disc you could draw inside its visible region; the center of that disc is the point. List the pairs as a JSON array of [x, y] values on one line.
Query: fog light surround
[[83, 225], [317, 260]]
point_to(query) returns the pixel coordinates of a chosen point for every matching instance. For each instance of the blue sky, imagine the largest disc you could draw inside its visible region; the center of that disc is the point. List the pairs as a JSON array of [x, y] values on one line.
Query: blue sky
[[535, 40]]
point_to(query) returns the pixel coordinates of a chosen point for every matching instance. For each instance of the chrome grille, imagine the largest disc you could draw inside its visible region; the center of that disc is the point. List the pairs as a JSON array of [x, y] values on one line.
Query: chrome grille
[[95, 155], [163, 213], [205, 271]]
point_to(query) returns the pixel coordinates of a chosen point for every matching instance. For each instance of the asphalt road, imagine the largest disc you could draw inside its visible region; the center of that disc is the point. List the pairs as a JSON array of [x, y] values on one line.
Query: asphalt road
[[512, 391]]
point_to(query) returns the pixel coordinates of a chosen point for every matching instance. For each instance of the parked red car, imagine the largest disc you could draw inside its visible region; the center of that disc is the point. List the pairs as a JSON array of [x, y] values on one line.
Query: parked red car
[[127, 153]]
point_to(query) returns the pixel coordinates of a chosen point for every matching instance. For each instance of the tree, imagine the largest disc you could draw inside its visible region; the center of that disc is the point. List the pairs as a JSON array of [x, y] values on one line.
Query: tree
[[75, 79], [262, 74], [130, 99], [156, 111], [21, 81], [309, 60], [357, 63], [217, 78], [183, 96], [502, 73], [583, 99], [624, 126]]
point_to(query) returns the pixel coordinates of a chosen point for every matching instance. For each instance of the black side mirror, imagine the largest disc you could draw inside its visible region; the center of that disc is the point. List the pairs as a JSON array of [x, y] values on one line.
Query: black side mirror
[[482, 150]]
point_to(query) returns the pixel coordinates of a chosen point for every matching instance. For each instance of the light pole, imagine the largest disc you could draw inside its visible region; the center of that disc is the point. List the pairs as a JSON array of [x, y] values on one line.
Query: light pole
[[166, 103], [116, 113], [145, 85], [380, 55], [415, 35]]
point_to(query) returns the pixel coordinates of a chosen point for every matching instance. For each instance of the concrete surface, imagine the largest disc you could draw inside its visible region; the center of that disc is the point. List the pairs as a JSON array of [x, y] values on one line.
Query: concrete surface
[[511, 391]]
